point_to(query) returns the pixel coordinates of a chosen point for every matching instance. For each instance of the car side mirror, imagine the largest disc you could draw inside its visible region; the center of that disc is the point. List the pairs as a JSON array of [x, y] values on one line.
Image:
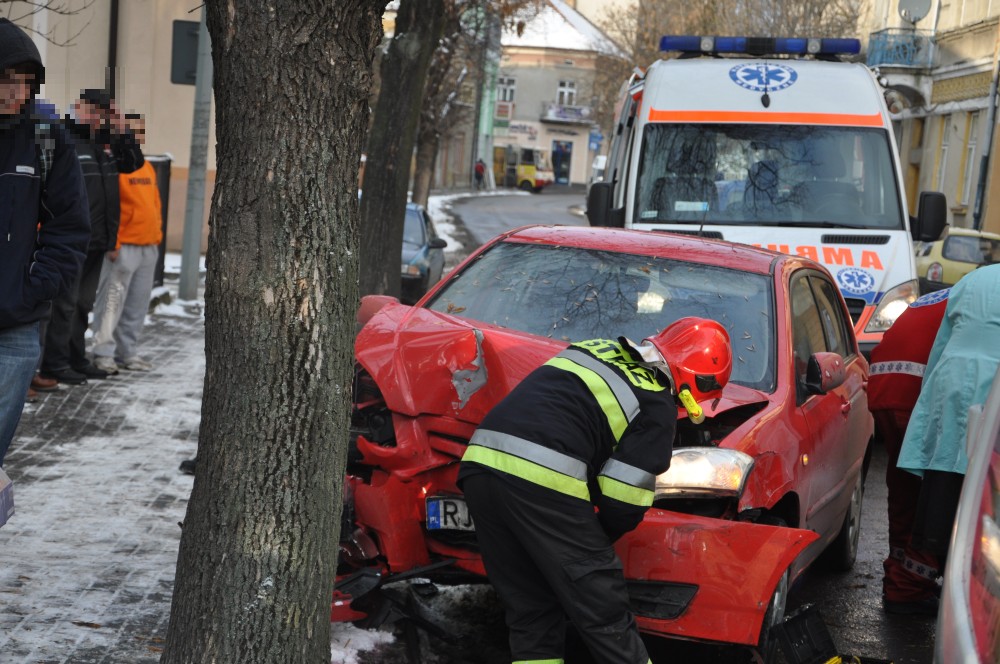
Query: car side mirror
[[825, 372], [438, 243], [599, 204], [371, 305], [932, 215]]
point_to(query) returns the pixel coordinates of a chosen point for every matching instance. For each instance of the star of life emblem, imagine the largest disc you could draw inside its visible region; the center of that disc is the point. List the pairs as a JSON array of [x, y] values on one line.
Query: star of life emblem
[[763, 76]]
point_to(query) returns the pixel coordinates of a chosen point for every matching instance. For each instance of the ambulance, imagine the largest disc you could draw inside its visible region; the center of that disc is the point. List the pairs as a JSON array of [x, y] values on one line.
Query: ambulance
[[777, 143]]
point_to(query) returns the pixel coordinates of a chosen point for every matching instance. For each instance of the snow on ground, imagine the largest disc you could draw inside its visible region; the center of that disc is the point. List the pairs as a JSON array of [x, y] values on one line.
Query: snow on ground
[[89, 555]]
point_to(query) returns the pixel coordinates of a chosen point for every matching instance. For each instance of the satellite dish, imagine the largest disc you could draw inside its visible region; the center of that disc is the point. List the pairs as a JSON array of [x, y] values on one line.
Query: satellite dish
[[914, 10]]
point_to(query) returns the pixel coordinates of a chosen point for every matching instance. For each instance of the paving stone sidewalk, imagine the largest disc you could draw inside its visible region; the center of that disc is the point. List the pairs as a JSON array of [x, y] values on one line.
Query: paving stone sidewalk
[[87, 561]]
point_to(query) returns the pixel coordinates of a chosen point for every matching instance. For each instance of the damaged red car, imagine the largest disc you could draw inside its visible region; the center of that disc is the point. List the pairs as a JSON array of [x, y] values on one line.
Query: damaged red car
[[772, 481]]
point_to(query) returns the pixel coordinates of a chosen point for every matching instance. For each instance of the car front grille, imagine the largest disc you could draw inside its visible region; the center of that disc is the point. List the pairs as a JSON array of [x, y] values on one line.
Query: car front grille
[[856, 307]]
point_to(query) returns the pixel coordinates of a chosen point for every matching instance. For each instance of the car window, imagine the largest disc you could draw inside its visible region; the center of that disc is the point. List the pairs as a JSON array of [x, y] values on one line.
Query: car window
[[808, 335], [971, 249], [832, 317], [413, 228], [575, 294]]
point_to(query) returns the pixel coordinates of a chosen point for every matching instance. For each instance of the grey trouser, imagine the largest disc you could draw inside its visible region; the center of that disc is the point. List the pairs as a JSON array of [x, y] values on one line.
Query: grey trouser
[[123, 300]]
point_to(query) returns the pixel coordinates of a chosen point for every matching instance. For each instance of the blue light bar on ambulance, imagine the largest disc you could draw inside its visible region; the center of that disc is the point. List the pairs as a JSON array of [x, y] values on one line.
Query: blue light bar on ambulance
[[760, 45]]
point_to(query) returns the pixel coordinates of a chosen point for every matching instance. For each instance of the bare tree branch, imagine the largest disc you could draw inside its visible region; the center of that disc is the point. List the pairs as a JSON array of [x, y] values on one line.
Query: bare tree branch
[[30, 8]]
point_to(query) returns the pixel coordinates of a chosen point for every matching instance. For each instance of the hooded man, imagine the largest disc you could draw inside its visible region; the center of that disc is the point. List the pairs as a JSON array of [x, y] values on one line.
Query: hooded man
[[44, 227]]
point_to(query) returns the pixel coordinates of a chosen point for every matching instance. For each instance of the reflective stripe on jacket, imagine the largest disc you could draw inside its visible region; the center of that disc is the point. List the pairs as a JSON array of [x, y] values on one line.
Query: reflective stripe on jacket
[[592, 423]]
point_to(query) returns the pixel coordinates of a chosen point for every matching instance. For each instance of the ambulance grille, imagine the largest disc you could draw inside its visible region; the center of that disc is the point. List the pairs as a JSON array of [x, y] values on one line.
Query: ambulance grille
[[855, 307], [855, 239]]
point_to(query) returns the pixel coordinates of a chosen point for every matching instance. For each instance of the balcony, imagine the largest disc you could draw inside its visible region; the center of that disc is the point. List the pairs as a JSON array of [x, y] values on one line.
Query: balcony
[[898, 47], [563, 114]]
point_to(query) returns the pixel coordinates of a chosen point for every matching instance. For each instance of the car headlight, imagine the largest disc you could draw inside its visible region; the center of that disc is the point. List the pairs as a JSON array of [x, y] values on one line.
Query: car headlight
[[411, 270], [704, 471], [892, 305], [935, 272]]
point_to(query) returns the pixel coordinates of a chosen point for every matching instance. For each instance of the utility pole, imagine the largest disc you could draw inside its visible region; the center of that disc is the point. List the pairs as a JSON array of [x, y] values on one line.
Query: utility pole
[[991, 110], [194, 213]]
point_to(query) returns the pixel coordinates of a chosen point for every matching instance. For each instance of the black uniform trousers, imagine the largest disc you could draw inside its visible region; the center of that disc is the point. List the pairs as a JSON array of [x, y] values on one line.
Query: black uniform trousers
[[548, 559], [65, 335]]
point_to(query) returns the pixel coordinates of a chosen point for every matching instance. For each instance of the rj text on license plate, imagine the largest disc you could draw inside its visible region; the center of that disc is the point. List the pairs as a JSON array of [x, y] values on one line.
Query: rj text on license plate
[[448, 513]]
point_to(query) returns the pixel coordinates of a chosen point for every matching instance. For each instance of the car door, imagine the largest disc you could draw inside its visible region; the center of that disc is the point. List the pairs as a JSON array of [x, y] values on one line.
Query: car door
[[830, 455], [435, 255]]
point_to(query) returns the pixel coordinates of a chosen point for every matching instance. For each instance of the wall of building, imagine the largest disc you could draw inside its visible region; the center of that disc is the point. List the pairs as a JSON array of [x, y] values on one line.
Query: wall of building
[[537, 74], [76, 56]]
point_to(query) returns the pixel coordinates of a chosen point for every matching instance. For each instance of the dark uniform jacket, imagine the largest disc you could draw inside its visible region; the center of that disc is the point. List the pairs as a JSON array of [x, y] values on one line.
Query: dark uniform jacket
[[100, 174], [591, 424], [43, 225]]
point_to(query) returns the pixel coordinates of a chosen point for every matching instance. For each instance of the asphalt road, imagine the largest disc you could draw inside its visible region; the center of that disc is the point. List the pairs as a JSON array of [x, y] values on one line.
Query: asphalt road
[[850, 603]]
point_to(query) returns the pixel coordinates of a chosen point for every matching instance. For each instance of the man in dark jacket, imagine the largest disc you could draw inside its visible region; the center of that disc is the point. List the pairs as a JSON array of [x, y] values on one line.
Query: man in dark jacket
[[592, 427], [106, 148], [43, 219]]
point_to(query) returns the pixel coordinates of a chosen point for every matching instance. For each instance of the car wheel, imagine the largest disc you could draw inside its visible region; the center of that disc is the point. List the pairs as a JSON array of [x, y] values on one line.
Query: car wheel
[[843, 551], [767, 645], [526, 186]]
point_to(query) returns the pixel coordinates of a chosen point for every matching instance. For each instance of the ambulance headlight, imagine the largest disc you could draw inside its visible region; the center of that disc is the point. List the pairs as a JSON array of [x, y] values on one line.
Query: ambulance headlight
[[893, 304], [704, 471]]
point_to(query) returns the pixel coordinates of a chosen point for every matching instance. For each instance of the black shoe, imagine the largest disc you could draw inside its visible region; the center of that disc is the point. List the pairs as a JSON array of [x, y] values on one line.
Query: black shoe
[[187, 466], [67, 376], [90, 371], [924, 607]]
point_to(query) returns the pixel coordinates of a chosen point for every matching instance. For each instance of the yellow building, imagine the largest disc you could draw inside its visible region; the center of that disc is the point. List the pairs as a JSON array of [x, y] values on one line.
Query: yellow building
[[939, 61]]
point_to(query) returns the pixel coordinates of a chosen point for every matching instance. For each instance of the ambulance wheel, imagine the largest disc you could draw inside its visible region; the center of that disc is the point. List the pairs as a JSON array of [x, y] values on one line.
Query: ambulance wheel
[[843, 551], [767, 645]]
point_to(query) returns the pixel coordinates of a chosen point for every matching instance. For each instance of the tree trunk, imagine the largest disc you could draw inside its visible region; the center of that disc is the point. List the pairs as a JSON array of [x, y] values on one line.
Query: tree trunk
[[259, 547], [427, 150], [390, 143]]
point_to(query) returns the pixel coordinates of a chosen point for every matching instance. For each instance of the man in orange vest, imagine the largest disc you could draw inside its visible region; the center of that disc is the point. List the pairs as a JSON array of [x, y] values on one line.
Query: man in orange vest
[[127, 275], [897, 369]]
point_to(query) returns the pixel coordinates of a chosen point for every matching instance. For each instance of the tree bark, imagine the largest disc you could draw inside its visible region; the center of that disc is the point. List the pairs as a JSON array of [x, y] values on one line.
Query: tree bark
[[423, 178], [390, 143], [258, 551]]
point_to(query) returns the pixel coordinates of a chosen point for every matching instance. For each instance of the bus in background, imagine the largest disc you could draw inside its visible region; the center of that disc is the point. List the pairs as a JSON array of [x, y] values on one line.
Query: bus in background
[[526, 168]]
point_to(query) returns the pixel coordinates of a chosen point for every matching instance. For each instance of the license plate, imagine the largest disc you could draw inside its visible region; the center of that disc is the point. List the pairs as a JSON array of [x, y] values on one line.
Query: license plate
[[448, 513]]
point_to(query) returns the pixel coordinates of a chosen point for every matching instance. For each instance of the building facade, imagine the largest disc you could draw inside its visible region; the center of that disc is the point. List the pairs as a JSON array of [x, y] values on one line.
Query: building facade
[[939, 61], [544, 90]]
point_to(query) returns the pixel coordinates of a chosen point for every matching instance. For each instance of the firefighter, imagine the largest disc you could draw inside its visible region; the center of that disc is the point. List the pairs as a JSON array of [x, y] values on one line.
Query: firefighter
[[592, 427]]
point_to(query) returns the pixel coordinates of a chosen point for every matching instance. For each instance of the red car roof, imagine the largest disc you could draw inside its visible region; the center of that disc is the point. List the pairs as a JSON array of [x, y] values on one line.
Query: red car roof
[[650, 243]]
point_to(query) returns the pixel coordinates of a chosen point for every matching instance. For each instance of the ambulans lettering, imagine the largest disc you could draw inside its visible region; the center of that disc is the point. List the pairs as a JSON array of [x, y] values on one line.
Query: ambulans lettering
[[831, 255], [763, 76]]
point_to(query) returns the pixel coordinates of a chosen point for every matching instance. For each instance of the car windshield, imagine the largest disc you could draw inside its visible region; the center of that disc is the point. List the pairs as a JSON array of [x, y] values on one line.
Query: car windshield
[[413, 228], [971, 249], [576, 294], [767, 174]]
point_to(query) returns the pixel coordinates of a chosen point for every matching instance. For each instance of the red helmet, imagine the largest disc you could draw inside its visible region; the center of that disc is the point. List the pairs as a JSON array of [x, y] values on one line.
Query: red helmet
[[698, 355]]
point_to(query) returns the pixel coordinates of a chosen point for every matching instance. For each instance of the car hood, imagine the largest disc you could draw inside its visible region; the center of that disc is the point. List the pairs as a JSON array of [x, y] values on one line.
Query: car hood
[[427, 362]]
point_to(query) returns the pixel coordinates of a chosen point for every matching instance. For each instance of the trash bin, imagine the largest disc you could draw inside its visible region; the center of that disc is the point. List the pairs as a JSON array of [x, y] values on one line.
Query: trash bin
[[161, 165]]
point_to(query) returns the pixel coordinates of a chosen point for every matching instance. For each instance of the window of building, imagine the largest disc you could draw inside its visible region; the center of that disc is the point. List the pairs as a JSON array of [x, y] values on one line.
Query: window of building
[[943, 152], [566, 94], [972, 130], [506, 86]]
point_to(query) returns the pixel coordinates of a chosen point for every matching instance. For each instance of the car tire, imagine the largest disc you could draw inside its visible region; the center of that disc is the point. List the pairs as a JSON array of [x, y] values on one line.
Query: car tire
[[526, 186], [843, 551], [767, 645]]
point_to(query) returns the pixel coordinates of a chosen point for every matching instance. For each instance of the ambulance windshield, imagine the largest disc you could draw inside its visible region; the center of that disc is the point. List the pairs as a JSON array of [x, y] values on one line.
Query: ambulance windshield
[[759, 174]]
